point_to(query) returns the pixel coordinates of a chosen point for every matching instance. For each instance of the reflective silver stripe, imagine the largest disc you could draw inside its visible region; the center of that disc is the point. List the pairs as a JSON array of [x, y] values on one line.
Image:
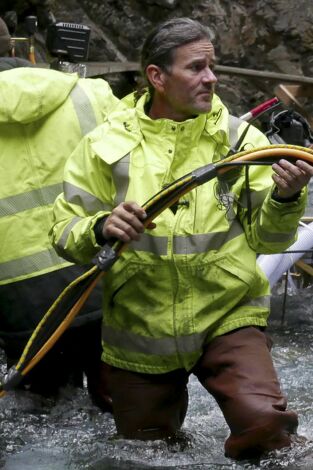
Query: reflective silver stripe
[[257, 198], [200, 243], [264, 301], [120, 173], [65, 255], [197, 243], [29, 200], [275, 237], [147, 345], [63, 239], [84, 110], [233, 125], [75, 195], [29, 264], [147, 242]]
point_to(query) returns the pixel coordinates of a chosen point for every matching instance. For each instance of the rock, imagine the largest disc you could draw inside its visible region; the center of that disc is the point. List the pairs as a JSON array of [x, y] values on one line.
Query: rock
[[271, 35]]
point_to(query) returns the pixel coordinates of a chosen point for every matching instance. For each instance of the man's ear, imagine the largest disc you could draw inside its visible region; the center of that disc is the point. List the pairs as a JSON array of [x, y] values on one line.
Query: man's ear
[[156, 76]]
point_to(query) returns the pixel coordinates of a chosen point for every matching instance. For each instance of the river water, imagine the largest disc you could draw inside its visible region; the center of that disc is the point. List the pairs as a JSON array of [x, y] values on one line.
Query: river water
[[71, 433]]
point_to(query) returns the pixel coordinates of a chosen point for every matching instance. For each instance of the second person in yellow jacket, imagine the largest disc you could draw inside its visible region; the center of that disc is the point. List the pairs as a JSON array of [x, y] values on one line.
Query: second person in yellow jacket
[[43, 116]]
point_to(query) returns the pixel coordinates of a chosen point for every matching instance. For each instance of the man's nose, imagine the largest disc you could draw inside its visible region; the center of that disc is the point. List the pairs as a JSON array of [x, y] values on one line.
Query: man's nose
[[209, 76]]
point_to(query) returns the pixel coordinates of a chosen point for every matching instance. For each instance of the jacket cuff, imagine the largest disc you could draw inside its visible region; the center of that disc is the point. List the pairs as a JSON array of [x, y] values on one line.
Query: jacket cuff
[[292, 198], [100, 239]]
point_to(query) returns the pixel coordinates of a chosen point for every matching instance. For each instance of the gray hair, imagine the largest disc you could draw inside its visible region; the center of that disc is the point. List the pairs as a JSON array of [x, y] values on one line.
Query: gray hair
[[160, 45]]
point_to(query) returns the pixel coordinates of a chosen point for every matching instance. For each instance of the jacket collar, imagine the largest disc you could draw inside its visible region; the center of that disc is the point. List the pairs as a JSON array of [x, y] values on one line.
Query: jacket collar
[[215, 123], [111, 142]]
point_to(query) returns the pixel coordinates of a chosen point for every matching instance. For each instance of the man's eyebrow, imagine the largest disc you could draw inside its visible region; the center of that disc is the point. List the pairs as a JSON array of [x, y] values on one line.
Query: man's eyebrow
[[200, 59]]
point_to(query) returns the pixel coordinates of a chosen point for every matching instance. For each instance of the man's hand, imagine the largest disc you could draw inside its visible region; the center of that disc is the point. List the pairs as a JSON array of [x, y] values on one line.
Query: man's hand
[[125, 222], [291, 178]]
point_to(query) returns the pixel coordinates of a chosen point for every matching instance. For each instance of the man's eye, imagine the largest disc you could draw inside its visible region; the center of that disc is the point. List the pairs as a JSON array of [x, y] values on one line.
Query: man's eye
[[196, 67]]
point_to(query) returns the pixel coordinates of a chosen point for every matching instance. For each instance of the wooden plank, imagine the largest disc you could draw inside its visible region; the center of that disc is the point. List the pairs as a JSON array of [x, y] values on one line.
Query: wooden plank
[[102, 68], [284, 93], [304, 267], [281, 77]]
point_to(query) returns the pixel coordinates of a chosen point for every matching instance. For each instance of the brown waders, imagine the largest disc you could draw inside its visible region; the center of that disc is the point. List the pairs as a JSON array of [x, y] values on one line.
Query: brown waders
[[237, 370]]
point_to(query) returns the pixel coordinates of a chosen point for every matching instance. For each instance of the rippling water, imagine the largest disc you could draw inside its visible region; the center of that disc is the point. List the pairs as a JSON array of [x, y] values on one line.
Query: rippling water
[[71, 433]]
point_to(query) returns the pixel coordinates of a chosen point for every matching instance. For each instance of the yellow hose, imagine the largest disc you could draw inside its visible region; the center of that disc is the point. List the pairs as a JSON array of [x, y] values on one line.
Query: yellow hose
[[272, 151]]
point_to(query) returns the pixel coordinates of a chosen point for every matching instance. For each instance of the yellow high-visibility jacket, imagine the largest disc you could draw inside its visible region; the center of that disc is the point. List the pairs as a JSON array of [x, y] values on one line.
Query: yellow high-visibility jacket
[[43, 116], [194, 276]]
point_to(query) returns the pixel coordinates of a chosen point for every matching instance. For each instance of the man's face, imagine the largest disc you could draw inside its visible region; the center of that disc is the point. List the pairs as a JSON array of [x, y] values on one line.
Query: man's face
[[189, 85]]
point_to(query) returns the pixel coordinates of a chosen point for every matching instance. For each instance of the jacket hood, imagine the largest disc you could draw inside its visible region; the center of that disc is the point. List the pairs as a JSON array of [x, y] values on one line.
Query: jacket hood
[[28, 94]]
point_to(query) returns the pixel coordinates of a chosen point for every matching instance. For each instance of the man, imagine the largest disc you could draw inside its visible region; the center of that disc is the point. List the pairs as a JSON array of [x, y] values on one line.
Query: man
[[43, 116], [187, 296]]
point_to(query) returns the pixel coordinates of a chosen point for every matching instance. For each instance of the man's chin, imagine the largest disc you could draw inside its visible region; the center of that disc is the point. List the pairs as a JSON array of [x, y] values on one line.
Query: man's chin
[[204, 108]]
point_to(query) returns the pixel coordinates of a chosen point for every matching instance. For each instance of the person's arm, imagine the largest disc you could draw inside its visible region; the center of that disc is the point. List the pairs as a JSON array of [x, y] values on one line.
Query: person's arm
[[273, 225], [84, 214], [87, 197], [272, 206]]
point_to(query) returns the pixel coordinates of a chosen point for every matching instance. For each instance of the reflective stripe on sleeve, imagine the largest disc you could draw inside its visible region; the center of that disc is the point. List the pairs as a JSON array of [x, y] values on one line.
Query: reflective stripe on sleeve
[[84, 110], [120, 173], [275, 237], [256, 198], [90, 203], [264, 301], [62, 241]]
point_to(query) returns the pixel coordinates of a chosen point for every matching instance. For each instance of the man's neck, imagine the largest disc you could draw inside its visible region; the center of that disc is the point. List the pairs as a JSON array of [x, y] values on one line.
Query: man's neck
[[160, 109]]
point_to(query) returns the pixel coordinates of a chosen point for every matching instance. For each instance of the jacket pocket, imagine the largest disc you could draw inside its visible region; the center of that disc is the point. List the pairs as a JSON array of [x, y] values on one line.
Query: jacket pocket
[[221, 284], [141, 300]]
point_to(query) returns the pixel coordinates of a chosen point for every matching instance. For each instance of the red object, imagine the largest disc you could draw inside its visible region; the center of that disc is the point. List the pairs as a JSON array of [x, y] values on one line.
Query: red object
[[260, 109], [264, 106]]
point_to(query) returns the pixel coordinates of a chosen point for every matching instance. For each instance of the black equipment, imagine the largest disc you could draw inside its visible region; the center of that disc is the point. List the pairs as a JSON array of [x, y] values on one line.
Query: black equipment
[[31, 23], [69, 42], [289, 127]]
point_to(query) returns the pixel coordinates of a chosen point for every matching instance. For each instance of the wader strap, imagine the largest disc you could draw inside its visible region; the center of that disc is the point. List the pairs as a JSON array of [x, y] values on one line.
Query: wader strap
[[234, 124]]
